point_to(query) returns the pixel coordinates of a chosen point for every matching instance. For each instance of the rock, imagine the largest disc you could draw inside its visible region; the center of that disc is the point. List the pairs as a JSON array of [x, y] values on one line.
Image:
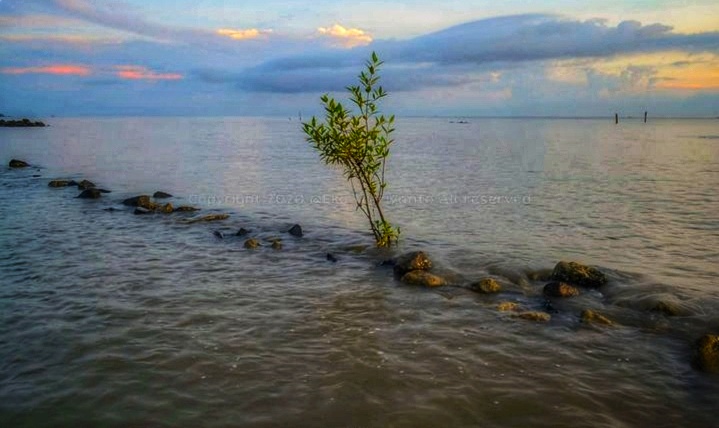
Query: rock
[[508, 306], [706, 353], [161, 195], [560, 289], [252, 243], [17, 163], [142, 201], [534, 316], [142, 211], [416, 260], [90, 194], [592, 317], [276, 244], [85, 184], [111, 209], [421, 277], [242, 232], [331, 258], [486, 286], [186, 208], [219, 234], [59, 183], [105, 191], [209, 217], [578, 274], [23, 123], [296, 230], [167, 208], [72, 183], [667, 308], [540, 275]]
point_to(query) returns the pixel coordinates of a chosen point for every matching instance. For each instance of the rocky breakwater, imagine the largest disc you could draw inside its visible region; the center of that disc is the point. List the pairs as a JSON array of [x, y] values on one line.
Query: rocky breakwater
[[21, 123]]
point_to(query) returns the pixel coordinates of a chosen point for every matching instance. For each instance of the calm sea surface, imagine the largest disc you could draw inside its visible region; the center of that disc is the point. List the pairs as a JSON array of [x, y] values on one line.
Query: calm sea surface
[[112, 319]]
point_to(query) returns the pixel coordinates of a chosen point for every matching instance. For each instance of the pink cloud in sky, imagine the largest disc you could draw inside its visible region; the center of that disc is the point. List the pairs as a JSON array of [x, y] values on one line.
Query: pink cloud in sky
[[57, 69], [137, 72]]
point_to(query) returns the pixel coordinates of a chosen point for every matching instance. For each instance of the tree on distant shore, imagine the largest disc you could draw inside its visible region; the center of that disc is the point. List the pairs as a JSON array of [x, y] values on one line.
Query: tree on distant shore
[[360, 144]]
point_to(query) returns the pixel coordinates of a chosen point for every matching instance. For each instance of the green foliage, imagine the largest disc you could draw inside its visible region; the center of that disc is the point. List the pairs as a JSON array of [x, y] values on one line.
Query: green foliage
[[360, 144]]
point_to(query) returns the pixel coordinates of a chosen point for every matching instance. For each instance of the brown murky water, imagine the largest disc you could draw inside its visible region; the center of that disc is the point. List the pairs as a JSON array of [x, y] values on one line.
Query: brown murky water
[[111, 319]]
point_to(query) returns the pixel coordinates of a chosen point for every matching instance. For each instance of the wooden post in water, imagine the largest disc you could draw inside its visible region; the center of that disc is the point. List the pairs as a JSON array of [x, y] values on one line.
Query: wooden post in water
[[616, 118], [645, 117]]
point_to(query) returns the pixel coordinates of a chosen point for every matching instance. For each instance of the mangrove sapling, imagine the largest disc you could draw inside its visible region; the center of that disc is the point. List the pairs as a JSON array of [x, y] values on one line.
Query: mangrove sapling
[[360, 144]]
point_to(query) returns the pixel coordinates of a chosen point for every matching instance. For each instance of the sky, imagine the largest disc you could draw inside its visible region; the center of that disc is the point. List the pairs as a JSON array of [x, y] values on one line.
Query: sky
[[277, 57]]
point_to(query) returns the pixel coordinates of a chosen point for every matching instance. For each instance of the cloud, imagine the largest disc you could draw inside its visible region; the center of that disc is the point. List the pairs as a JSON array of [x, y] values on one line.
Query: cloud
[[448, 57], [136, 72], [345, 37], [56, 69], [242, 34]]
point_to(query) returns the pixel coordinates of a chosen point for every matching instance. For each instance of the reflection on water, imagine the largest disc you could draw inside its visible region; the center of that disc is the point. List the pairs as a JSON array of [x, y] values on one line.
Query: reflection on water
[[110, 319]]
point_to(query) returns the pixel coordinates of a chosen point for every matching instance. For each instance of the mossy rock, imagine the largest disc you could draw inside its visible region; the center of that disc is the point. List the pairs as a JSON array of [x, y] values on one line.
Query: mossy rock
[[486, 286], [534, 316], [416, 260], [142, 201], [251, 244], [209, 217], [578, 274], [508, 306], [706, 353], [424, 278], [59, 183], [590, 316], [560, 289], [167, 208]]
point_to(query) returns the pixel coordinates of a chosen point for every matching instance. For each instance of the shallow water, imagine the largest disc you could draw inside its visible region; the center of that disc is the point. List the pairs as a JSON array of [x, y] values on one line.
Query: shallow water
[[111, 319]]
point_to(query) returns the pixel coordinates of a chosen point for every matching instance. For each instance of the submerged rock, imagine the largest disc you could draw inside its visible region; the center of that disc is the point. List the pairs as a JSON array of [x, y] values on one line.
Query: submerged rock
[[161, 195], [276, 244], [209, 217], [667, 308], [59, 183], [142, 211], [560, 289], [534, 316], [185, 208], [17, 163], [540, 275], [219, 234], [142, 201], [85, 184], [331, 258], [421, 277], [486, 286], [706, 353], [589, 316], [90, 194], [252, 243], [578, 274], [416, 260], [242, 232], [296, 230]]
